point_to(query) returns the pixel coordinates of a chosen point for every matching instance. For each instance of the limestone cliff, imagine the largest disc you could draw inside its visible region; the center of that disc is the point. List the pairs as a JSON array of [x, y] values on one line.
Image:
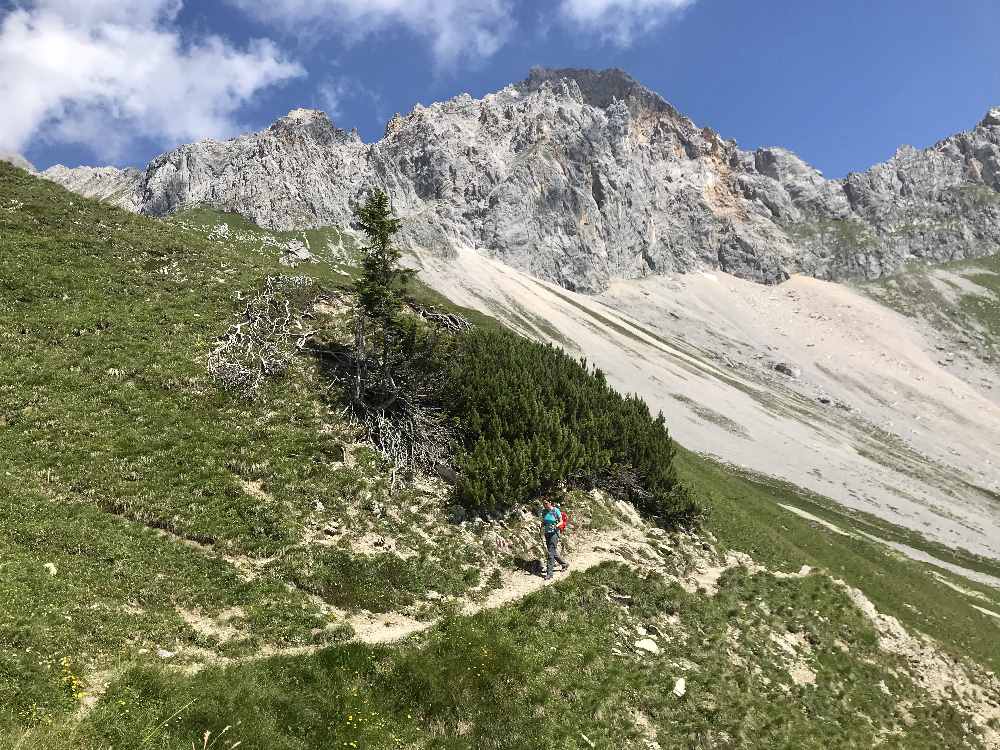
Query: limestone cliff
[[580, 176]]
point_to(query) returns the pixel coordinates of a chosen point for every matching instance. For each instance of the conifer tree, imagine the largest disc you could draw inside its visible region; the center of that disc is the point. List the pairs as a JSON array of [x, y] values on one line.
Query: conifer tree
[[382, 281], [380, 290]]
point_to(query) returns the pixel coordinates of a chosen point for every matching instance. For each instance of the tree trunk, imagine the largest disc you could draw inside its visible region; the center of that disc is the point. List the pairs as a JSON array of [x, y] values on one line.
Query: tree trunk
[[359, 359], [386, 367]]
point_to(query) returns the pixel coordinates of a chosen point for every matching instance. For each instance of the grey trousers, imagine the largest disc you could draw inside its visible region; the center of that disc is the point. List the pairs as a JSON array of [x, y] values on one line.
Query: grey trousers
[[552, 548]]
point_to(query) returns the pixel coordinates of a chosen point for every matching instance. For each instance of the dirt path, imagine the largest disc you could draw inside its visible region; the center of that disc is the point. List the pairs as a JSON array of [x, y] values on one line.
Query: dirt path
[[589, 551], [698, 567]]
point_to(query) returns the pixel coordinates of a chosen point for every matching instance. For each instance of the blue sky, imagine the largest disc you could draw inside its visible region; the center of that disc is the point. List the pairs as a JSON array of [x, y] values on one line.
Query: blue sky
[[840, 83]]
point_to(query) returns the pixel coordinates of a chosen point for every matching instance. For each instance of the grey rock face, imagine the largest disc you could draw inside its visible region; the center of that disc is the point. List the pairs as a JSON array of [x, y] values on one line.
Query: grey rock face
[[580, 176], [111, 184]]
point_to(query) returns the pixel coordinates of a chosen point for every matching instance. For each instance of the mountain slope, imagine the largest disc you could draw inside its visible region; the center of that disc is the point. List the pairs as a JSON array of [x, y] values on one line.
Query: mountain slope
[[18, 161], [960, 300], [178, 560], [866, 415], [580, 177], [587, 179], [110, 184]]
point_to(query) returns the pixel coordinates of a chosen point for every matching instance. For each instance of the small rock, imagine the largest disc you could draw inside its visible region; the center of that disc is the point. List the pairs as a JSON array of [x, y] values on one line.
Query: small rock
[[295, 253], [164, 654], [446, 472], [51, 567], [680, 687], [787, 369], [641, 631], [648, 644]]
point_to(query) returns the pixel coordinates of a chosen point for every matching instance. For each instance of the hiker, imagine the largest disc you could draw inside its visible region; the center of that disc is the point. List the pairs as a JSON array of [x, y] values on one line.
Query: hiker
[[553, 521]]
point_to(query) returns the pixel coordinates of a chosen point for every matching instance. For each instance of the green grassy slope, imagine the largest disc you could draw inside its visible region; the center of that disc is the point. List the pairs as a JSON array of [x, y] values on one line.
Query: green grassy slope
[[961, 300], [746, 515], [133, 494], [112, 430], [126, 468], [558, 670]]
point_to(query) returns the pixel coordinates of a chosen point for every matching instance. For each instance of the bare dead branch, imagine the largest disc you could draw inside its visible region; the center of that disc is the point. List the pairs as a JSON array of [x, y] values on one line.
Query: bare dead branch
[[255, 347], [449, 321]]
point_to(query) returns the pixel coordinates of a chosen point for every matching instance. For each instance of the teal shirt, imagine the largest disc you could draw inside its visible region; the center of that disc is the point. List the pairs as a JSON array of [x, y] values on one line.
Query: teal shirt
[[550, 520]]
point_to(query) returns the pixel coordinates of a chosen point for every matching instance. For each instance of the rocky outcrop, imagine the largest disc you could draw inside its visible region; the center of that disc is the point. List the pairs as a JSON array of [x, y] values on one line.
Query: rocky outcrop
[[119, 186], [580, 176]]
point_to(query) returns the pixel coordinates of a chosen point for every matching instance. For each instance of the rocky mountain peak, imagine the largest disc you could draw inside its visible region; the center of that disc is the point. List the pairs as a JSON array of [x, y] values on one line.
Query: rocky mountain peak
[[311, 123], [992, 118], [582, 176], [395, 123], [303, 117], [599, 88]]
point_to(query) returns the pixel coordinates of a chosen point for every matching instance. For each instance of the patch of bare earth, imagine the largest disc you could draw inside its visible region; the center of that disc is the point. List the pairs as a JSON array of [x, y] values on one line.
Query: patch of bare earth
[[218, 628]]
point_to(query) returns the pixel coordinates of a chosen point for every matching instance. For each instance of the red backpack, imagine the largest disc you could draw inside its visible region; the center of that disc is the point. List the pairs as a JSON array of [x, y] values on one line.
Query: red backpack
[[563, 520]]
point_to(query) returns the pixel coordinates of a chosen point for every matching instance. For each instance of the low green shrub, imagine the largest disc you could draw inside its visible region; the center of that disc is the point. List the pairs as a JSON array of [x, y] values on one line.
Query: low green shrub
[[530, 416]]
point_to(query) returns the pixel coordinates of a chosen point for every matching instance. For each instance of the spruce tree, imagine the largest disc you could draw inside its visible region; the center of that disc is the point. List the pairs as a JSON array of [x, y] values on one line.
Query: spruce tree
[[380, 290], [382, 281]]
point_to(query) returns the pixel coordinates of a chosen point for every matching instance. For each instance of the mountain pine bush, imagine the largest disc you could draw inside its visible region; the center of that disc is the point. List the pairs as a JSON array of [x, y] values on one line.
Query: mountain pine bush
[[531, 416]]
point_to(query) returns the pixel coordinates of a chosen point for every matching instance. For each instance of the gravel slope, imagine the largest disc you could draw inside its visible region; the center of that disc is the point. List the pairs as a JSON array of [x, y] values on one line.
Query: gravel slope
[[872, 419]]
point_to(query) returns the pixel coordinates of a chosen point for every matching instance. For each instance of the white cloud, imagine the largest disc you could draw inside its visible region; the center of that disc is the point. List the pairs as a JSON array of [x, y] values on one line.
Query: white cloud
[[458, 30], [620, 21], [103, 72], [332, 92]]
